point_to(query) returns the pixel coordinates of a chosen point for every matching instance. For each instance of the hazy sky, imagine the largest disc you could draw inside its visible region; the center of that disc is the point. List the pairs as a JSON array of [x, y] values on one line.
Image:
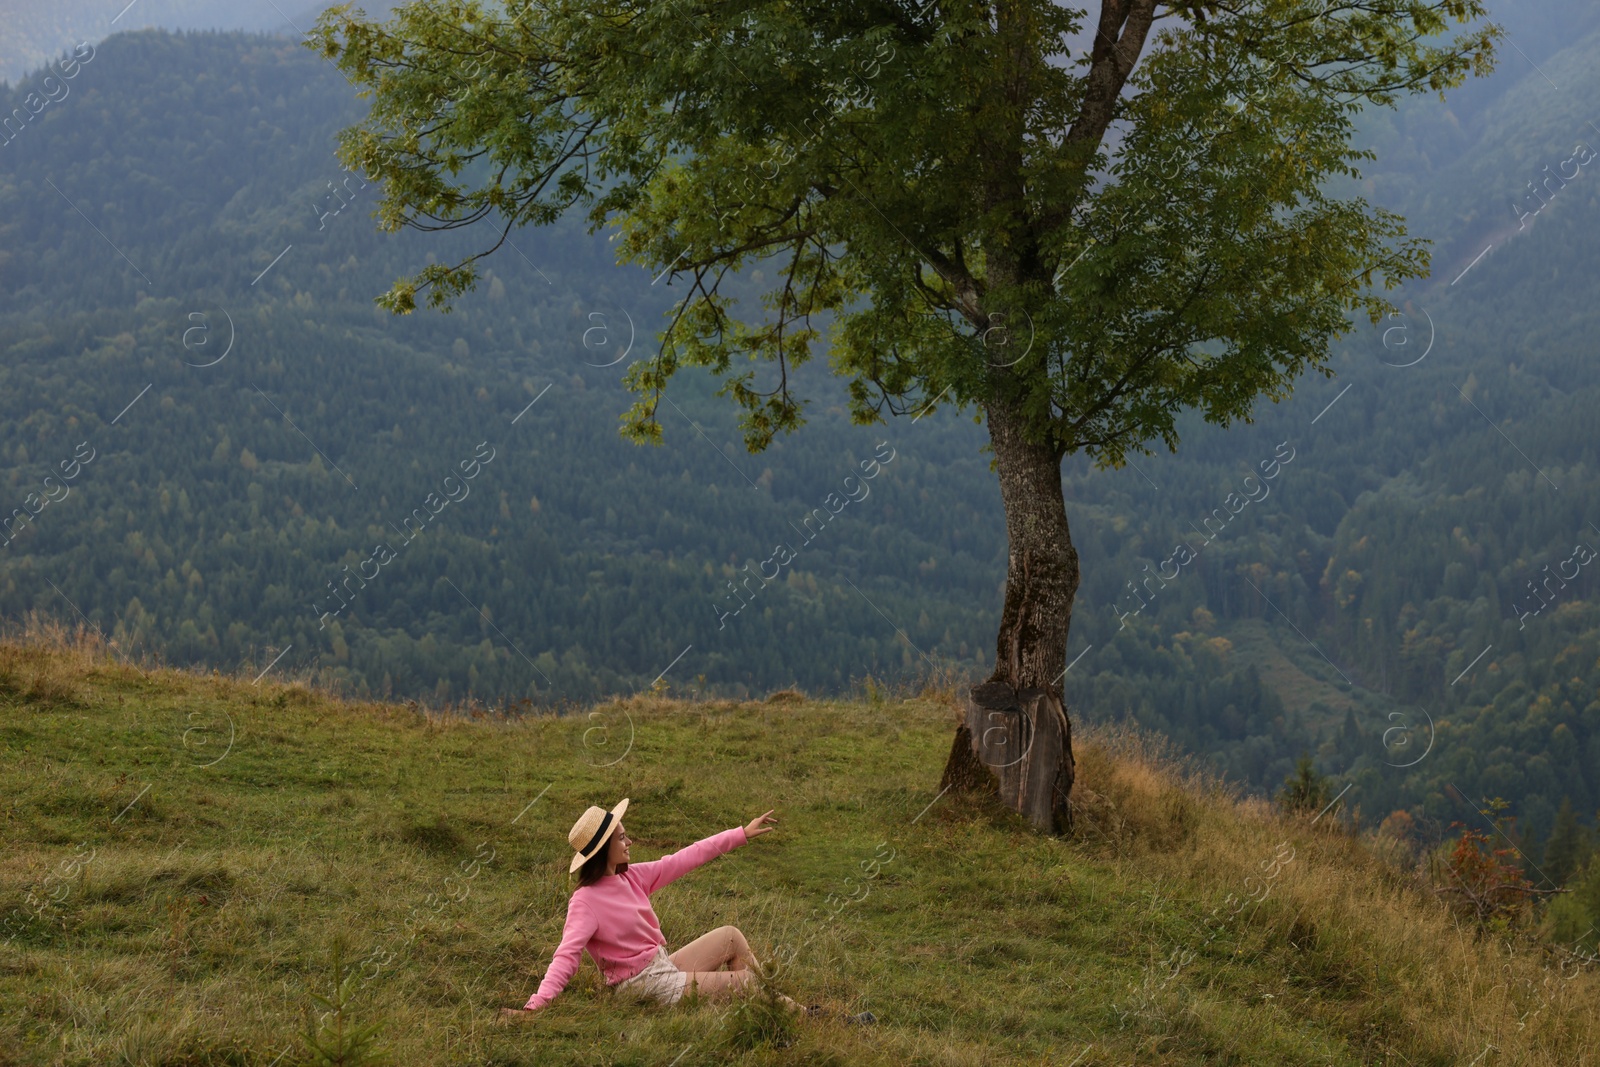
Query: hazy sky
[[34, 31]]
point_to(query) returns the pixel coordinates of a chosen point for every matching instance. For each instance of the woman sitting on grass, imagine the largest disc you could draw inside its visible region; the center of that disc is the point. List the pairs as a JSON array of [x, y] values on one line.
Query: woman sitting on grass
[[610, 916]]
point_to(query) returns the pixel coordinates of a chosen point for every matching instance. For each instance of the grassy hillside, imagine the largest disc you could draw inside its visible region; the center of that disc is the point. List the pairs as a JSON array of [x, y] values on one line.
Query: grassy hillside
[[229, 833]]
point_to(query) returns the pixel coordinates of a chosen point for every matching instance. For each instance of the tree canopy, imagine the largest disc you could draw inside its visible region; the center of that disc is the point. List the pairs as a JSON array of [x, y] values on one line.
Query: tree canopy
[[1102, 236]]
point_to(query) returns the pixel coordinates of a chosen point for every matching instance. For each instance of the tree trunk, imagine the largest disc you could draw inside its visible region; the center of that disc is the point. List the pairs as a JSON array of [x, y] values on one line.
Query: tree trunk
[[1016, 740]]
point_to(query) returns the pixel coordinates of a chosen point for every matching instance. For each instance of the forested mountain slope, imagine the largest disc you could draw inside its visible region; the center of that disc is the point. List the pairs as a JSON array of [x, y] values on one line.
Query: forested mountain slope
[[189, 183], [1420, 579], [260, 459]]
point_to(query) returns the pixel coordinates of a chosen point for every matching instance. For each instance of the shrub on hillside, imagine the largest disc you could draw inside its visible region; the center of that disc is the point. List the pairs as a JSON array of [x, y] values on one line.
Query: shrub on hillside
[[334, 1039], [1484, 883], [1487, 884], [1575, 916], [1305, 791]]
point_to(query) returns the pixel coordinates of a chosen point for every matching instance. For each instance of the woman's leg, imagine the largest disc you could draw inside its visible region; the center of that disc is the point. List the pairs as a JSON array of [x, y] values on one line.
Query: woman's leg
[[719, 985], [701, 958], [710, 952]]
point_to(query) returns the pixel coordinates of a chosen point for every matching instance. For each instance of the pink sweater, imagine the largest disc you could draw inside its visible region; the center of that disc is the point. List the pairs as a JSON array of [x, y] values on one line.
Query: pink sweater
[[613, 919]]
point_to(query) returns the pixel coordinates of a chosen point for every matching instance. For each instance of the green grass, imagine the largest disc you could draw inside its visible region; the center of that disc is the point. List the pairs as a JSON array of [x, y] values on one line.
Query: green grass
[[1255, 643], [207, 916]]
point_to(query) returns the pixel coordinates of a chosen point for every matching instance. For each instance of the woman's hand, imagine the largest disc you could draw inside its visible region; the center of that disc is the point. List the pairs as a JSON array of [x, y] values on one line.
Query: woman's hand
[[758, 825], [514, 1015]]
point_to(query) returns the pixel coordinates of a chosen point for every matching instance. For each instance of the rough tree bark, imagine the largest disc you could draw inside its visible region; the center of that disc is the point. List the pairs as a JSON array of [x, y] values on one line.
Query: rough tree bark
[[1016, 740]]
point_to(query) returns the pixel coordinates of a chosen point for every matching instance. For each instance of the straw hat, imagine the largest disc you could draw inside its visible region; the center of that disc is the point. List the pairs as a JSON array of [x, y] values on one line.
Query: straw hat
[[592, 830]]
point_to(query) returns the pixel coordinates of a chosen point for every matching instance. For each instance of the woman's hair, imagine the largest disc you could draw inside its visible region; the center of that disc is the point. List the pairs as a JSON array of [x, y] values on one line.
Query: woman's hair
[[594, 868]]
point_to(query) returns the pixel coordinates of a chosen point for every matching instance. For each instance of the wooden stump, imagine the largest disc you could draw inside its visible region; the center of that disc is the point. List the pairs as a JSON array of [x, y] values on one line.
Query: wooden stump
[[1021, 742]]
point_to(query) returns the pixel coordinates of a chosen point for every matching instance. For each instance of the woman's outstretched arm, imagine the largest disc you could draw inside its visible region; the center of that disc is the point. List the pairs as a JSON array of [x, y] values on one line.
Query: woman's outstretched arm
[[575, 935], [657, 873]]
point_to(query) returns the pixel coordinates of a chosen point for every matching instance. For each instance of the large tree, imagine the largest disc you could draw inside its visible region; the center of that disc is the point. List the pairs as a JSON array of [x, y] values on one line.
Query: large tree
[[1077, 223]]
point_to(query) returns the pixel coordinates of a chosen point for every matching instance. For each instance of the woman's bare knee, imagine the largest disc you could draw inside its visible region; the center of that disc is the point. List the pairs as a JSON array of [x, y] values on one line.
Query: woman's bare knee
[[710, 951], [735, 949]]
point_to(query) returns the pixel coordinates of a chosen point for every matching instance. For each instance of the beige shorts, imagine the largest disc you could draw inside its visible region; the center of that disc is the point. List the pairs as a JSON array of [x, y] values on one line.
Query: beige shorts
[[660, 981]]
